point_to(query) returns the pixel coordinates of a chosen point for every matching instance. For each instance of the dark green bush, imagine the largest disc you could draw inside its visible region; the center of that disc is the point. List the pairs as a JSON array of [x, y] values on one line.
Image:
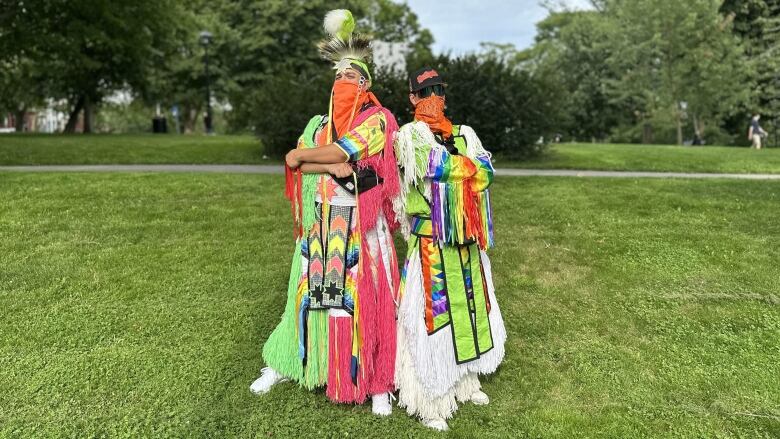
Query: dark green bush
[[278, 112], [508, 108]]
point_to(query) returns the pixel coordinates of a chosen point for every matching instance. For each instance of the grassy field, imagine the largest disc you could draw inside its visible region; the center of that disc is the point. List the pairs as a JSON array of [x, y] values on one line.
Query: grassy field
[[54, 149], [135, 305], [197, 149], [661, 158]]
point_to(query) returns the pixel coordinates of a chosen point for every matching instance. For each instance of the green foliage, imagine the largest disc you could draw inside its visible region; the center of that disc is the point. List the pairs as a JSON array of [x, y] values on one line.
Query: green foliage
[[124, 118], [757, 23], [570, 53], [279, 111], [271, 40], [636, 70], [19, 87], [83, 51], [620, 72], [392, 89], [178, 76], [507, 107]]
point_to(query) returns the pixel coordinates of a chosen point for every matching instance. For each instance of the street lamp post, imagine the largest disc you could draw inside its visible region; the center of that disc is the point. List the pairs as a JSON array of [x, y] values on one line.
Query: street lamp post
[[205, 40]]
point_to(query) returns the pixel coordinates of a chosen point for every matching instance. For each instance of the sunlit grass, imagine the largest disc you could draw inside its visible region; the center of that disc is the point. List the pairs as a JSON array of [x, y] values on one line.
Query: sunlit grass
[[24, 149], [79, 149], [661, 158], [135, 305]]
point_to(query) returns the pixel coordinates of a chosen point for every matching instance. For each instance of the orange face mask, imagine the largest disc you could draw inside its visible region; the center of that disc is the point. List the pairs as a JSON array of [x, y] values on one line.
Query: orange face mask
[[348, 98], [431, 111]]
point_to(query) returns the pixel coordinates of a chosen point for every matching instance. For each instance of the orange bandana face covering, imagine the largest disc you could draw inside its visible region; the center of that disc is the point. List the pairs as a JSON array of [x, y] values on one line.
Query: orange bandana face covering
[[347, 101], [431, 111]]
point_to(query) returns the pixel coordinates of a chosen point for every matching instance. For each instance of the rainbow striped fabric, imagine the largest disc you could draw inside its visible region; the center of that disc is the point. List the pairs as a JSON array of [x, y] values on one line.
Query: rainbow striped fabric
[[460, 205], [364, 140]]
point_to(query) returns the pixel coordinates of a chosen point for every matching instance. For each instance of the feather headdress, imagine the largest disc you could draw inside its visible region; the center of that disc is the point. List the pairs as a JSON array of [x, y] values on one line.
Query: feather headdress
[[344, 48]]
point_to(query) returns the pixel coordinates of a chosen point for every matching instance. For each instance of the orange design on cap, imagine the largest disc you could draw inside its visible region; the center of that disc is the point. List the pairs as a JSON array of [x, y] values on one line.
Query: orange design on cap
[[426, 75]]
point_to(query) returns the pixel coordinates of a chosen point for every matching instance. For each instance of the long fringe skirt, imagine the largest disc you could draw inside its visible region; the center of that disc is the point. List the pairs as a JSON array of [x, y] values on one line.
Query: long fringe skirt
[[435, 370], [350, 351]]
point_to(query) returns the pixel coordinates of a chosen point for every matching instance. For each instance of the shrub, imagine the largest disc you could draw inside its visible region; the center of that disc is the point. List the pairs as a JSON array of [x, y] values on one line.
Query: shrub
[[508, 108]]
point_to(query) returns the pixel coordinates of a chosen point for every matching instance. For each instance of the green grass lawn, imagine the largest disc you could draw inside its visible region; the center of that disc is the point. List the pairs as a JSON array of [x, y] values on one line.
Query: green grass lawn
[[661, 158], [135, 305], [41, 149], [78, 149]]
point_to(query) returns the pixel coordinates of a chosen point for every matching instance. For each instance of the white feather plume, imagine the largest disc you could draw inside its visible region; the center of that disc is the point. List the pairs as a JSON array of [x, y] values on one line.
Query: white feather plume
[[334, 20]]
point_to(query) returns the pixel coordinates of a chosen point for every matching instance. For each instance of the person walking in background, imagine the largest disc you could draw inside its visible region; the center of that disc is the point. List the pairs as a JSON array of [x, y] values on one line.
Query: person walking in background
[[756, 134]]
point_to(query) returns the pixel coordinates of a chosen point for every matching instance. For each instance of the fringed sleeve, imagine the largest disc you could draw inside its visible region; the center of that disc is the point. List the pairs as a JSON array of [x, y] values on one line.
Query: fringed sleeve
[[454, 185], [483, 178], [447, 168], [460, 202]]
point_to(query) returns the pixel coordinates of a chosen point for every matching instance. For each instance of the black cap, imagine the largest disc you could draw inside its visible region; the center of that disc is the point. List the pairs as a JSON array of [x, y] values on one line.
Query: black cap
[[425, 77]]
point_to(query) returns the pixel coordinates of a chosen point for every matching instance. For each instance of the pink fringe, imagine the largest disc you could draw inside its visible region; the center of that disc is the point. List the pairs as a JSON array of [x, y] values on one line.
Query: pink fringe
[[376, 297], [340, 387], [386, 167], [384, 365], [377, 307]]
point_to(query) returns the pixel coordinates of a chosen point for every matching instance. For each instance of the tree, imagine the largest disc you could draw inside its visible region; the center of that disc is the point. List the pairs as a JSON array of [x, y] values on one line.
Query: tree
[[675, 60], [22, 78], [636, 68], [178, 75], [278, 79], [570, 50], [87, 50], [757, 23], [19, 88]]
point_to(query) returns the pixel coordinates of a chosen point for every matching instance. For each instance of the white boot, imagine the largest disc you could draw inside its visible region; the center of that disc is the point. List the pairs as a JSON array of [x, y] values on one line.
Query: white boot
[[381, 405], [439, 424], [479, 398], [268, 377]]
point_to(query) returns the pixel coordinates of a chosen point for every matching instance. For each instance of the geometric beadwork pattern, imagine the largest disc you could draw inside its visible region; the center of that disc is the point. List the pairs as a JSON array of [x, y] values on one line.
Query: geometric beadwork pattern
[[436, 306], [330, 254]]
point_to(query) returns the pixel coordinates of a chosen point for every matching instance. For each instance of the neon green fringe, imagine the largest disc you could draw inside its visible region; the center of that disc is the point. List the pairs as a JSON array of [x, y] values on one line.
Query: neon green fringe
[[309, 190], [281, 350], [316, 373]]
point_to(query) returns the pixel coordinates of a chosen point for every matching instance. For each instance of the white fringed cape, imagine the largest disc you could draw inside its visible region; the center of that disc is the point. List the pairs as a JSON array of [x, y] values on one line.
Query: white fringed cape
[[429, 380], [426, 373]]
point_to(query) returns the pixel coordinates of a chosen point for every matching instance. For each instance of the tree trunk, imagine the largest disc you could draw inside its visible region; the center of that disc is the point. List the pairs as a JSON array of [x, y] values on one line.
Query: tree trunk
[[678, 116], [698, 129], [73, 118], [189, 118], [19, 119], [89, 110], [647, 133], [647, 130]]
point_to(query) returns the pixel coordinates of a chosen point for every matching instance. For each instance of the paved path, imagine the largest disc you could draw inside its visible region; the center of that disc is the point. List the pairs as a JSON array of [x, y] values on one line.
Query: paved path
[[277, 169], [223, 169]]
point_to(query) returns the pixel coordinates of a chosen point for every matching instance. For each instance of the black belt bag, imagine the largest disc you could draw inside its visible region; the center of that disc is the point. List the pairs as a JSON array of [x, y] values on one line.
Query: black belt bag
[[366, 178]]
